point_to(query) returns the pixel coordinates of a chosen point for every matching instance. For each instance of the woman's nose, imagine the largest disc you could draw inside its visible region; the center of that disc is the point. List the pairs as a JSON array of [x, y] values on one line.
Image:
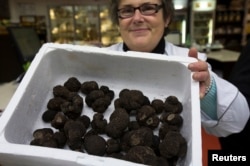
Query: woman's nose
[[137, 15]]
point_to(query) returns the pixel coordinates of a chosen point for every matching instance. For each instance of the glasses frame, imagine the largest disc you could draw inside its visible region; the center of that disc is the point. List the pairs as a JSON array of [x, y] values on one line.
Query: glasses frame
[[140, 8]]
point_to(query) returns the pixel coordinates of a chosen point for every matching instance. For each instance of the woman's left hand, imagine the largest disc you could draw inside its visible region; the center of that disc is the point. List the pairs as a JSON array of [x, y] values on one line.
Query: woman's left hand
[[200, 69]]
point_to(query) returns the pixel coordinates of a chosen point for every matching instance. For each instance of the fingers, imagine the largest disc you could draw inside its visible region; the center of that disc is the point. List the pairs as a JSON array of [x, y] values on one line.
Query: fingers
[[198, 66], [202, 89], [193, 52], [200, 69], [201, 76]]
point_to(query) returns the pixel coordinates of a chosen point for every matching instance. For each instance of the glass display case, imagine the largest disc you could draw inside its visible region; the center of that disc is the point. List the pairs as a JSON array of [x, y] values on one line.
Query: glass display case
[[202, 22], [61, 24], [177, 33], [109, 31], [82, 25]]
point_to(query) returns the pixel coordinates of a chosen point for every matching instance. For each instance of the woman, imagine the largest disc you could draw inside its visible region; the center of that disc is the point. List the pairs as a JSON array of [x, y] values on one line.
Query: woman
[[143, 25]]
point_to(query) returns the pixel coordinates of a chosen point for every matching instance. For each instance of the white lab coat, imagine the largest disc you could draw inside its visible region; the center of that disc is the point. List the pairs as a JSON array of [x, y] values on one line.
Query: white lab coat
[[232, 107]]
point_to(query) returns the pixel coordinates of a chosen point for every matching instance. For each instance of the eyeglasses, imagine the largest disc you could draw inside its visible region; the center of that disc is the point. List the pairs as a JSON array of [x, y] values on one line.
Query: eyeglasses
[[145, 9]]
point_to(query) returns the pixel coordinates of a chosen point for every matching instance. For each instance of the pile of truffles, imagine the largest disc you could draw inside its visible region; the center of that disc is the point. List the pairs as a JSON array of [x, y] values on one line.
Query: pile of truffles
[[138, 130]]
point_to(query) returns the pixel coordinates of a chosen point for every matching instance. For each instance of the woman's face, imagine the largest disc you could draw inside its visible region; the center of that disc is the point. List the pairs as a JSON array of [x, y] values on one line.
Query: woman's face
[[142, 32]]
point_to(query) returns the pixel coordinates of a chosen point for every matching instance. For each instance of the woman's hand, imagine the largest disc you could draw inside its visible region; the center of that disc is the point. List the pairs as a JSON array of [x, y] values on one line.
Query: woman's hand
[[200, 69]]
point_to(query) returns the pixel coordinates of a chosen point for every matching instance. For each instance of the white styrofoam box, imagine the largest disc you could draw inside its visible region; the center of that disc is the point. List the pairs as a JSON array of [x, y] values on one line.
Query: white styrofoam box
[[157, 76]]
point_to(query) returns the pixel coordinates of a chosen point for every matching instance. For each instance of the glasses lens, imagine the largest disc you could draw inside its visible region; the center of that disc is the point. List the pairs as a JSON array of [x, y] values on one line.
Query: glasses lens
[[126, 12], [148, 9]]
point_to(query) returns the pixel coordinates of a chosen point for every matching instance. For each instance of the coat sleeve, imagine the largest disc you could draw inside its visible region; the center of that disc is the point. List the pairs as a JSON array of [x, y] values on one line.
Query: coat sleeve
[[232, 110]]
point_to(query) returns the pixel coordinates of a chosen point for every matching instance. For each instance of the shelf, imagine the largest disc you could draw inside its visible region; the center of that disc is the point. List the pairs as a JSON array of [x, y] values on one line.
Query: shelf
[[230, 23]]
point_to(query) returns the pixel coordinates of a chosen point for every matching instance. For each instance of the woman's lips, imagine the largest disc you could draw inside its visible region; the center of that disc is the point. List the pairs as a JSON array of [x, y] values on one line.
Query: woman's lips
[[139, 30]]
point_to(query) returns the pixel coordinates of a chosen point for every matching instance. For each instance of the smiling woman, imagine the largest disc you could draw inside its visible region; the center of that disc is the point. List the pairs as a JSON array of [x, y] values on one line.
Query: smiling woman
[[142, 23]]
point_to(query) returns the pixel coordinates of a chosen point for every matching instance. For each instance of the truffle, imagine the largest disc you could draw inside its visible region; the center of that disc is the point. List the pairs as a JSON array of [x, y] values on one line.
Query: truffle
[[100, 105], [60, 138], [89, 86], [165, 128], [172, 119], [92, 96], [113, 146], [95, 145], [108, 92], [98, 123], [73, 109], [55, 103], [73, 84], [140, 154], [74, 132], [141, 137], [49, 115], [173, 145], [85, 120], [172, 104], [158, 105], [59, 120], [61, 91], [118, 122], [146, 116], [44, 137], [43, 133], [130, 100]]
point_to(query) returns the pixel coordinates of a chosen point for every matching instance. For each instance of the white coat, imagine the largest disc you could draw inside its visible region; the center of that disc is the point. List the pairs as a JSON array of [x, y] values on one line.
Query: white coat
[[232, 107]]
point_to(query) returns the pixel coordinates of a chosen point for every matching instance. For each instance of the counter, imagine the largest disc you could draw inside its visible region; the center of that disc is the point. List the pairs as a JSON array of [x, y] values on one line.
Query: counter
[[223, 61], [224, 56]]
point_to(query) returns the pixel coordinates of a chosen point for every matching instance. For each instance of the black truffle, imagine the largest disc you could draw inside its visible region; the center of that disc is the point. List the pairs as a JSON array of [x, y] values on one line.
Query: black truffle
[[95, 145], [59, 120], [49, 115], [158, 105], [108, 92], [141, 137], [61, 91], [100, 105], [165, 128], [85, 120], [118, 122], [130, 100], [98, 123], [92, 96], [140, 154], [172, 104], [74, 131], [44, 137], [89, 86], [55, 103], [173, 145], [113, 146], [172, 119], [73, 109], [146, 116], [60, 138], [73, 84]]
